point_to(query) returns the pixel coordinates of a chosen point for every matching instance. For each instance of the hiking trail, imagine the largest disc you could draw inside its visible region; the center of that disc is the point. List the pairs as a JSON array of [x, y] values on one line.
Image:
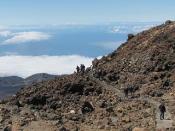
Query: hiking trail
[[160, 124]]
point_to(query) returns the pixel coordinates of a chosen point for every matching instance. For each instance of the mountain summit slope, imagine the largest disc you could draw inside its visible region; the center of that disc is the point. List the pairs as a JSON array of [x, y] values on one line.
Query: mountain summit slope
[[145, 60], [95, 99]]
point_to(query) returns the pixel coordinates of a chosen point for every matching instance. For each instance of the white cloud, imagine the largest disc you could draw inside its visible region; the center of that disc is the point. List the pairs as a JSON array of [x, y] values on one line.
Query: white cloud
[[23, 37], [130, 28], [141, 28], [27, 65], [5, 33], [119, 29]]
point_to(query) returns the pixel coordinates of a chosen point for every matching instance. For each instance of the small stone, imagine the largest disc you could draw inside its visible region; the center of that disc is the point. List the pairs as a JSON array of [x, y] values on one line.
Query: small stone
[[120, 110], [101, 127], [72, 111], [126, 119]]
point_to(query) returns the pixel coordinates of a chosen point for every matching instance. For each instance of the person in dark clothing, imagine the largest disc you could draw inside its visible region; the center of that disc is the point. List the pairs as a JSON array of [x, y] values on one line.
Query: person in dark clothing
[[126, 92], [130, 89], [82, 67], [162, 110], [78, 69]]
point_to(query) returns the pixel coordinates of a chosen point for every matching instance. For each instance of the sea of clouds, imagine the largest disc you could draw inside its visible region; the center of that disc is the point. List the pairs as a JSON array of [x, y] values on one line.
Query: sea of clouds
[[24, 66]]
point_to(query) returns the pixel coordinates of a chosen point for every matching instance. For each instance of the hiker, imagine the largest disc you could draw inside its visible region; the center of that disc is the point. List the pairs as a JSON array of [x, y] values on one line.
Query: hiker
[[162, 110], [78, 69], [82, 67], [130, 89], [126, 92]]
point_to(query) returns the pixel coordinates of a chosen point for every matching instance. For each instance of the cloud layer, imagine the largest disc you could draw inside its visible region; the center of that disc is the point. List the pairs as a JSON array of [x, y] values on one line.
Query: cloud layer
[[130, 28], [5, 33], [23, 37], [25, 66]]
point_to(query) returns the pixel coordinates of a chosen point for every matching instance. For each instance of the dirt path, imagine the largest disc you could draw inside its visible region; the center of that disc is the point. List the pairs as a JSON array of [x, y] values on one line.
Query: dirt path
[[108, 86], [34, 126], [160, 124], [40, 126]]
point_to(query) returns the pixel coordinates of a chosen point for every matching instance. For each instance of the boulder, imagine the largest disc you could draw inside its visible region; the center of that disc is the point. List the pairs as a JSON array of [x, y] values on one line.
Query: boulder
[[37, 100], [130, 36], [126, 119], [63, 129], [168, 22], [8, 128], [74, 88], [87, 107]]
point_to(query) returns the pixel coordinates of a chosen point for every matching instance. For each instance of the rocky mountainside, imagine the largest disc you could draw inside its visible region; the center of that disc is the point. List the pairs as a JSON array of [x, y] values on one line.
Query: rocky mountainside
[[11, 84], [122, 91], [146, 62]]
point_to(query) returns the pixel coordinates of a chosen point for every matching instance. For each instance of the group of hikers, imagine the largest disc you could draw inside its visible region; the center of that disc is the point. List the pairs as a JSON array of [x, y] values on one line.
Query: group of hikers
[[81, 68], [129, 89]]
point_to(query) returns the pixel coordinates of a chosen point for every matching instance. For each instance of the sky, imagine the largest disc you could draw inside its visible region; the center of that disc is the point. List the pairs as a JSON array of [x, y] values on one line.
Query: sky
[[46, 12], [54, 36]]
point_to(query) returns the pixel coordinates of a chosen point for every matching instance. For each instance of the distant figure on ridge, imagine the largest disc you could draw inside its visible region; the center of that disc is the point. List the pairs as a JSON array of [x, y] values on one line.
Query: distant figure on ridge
[[78, 69], [162, 110], [82, 67]]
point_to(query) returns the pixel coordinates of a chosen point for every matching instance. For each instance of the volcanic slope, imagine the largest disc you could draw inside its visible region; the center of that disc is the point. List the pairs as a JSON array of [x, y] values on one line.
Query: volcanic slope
[[94, 100]]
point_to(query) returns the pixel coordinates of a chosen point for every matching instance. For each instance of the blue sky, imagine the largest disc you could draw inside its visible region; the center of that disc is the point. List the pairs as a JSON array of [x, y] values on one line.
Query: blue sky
[[43, 12]]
